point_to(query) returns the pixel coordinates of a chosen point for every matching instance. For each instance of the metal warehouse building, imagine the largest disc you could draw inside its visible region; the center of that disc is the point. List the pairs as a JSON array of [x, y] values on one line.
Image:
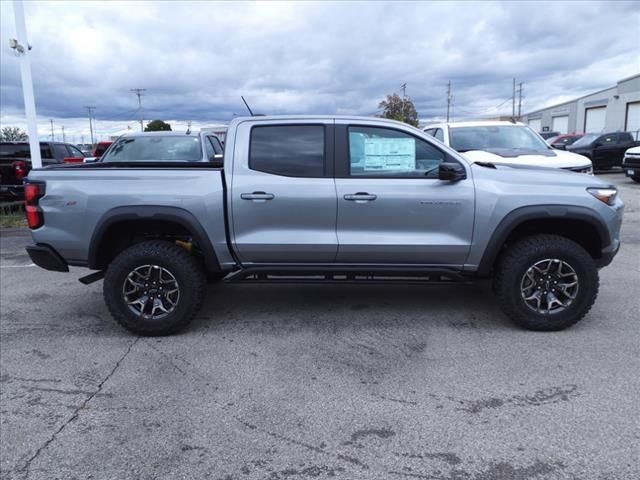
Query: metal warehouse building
[[613, 109]]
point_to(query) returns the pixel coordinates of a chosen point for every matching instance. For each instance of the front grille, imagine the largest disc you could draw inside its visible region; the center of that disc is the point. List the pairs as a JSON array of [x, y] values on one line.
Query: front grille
[[631, 160]]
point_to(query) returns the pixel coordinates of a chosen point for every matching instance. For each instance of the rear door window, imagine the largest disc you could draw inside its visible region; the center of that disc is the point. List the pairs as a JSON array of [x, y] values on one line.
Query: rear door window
[[60, 151], [288, 150]]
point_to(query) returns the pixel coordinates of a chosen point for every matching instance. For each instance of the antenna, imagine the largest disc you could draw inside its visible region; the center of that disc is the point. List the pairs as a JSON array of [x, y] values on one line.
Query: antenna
[[247, 105]]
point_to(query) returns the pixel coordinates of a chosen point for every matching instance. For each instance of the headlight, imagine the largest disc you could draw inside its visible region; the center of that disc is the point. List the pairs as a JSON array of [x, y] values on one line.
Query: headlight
[[606, 195]]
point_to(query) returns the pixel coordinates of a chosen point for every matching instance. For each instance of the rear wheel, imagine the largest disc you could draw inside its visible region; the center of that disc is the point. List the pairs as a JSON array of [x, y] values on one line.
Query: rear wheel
[[154, 288], [546, 282]]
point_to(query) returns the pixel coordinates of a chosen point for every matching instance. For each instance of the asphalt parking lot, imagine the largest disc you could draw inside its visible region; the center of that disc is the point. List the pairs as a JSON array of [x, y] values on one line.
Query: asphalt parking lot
[[302, 381]]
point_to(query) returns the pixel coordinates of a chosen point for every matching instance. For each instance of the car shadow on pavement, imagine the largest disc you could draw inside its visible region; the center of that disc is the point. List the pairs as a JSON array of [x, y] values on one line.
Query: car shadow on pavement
[[276, 309]]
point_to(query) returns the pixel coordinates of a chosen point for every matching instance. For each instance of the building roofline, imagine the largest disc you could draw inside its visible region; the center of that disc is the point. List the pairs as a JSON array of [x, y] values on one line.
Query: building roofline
[[629, 78], [580, 98]]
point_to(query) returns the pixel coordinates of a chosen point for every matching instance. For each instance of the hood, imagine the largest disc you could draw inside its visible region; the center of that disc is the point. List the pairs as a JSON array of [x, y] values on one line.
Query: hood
[[633, 150], [561, 159]]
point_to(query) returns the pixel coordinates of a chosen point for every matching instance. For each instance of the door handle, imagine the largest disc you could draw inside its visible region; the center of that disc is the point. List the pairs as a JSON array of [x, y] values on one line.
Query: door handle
[[360, 197], [257, 196]]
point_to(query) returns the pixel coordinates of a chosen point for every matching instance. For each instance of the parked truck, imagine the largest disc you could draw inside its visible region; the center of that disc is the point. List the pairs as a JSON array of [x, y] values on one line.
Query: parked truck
[[323, 199], [15, 163]]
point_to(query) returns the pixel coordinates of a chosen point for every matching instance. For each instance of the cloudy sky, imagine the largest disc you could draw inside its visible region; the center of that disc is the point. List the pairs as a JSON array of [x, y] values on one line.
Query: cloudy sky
[[195, 59]]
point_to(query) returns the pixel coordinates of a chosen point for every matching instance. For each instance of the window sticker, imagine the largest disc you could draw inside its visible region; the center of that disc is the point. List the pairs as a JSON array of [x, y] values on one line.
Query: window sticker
[[390, 154]]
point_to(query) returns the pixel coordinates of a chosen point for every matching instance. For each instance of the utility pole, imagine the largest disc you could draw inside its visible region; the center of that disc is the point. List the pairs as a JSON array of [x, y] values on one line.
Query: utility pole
[[403, 87], [448, 99], [519, 100], [22, 48], [90, 110], [138, 92], [52, 138], [64, 139], [513, 102]]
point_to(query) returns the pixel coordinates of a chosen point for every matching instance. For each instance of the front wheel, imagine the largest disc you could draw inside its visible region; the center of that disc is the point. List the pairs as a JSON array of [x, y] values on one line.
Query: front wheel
[[154, 288], [546, 282]]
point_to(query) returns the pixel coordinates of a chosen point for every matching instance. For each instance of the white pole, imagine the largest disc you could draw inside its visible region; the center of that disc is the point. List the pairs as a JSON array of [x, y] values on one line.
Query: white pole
[[27, 85]]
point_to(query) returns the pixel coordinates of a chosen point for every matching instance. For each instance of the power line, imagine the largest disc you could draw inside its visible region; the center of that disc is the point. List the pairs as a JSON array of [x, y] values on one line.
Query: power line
[[138, 92]]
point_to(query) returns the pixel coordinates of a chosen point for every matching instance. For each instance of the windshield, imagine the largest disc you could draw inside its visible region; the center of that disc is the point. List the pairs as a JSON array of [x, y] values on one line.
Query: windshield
[[488, 137], [586, 140], [155, 148]]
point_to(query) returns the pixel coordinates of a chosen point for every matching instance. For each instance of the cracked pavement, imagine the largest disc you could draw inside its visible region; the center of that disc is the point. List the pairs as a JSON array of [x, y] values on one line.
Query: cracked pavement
[[301, 381]]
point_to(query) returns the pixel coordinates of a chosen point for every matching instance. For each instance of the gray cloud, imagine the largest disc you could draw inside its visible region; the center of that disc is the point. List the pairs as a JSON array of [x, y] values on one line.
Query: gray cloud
[[195, 59]]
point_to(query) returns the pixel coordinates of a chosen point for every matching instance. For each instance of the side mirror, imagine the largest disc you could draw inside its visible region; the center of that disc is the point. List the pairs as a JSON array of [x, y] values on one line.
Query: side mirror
[[451, 171]]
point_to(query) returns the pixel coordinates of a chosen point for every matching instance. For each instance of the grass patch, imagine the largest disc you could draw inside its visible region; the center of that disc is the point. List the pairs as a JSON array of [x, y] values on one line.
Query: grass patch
[[12, 215]]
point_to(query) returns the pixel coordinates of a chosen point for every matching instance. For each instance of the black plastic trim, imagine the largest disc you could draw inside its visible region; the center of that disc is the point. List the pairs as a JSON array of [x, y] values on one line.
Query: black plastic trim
[[46, 257], [153, 212], [538, 212]]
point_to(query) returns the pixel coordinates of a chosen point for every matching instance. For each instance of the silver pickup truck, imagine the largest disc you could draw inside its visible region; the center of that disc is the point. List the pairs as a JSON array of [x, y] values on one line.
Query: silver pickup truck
[[322, 199]]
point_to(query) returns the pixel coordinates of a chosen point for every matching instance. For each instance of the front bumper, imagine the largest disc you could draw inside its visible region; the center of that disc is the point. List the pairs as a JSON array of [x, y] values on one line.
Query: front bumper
[[607, 254], [46, 257], [631, 167]]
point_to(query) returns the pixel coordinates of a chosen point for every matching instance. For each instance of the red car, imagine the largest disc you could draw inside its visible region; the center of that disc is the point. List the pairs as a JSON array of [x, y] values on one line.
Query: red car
[[560, 142], [100, 148]]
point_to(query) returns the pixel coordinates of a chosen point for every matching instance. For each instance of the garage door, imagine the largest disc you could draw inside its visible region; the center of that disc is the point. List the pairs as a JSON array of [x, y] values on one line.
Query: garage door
[[594, 119], [536, 124], [633, 118], [560, 124]]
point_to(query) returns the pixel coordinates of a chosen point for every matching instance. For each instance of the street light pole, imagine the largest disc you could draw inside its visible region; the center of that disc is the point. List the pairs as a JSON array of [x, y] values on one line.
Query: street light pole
[[21, 46]]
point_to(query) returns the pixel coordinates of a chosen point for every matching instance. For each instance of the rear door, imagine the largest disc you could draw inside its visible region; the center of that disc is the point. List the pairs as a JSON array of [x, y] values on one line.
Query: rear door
[[392, 209], [605, 150], [283, 196]]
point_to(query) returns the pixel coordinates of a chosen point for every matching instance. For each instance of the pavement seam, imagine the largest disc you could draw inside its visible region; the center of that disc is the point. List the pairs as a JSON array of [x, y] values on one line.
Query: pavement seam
[[76, 412]]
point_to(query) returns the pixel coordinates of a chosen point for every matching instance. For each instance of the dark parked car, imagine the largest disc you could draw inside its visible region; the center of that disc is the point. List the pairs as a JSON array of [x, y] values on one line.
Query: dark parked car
[[15, 163], [562, 141], [547, 135], [605, 150]]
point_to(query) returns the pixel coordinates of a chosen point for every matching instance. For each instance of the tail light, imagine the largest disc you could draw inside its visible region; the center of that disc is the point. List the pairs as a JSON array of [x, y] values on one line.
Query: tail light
[[19, 169], [32, 193]]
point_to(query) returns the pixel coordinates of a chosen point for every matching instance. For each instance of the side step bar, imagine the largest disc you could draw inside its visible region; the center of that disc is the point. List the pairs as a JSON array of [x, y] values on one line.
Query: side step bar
[[332, 274]]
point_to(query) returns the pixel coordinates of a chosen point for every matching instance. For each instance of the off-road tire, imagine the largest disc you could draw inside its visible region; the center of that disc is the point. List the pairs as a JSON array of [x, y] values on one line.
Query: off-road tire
[[513, 265], [187, 271]]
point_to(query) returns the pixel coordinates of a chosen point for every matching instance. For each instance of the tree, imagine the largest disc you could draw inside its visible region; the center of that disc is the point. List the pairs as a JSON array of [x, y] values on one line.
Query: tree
[[13, 134], [157, 126], [397, 108]]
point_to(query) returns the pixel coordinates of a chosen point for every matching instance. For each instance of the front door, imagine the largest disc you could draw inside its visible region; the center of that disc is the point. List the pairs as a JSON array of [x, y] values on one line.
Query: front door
[[392, 209], [283, 196]]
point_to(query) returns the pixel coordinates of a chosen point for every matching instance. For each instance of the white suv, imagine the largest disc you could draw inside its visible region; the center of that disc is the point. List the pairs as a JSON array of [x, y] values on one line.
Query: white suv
[[506, 143]]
